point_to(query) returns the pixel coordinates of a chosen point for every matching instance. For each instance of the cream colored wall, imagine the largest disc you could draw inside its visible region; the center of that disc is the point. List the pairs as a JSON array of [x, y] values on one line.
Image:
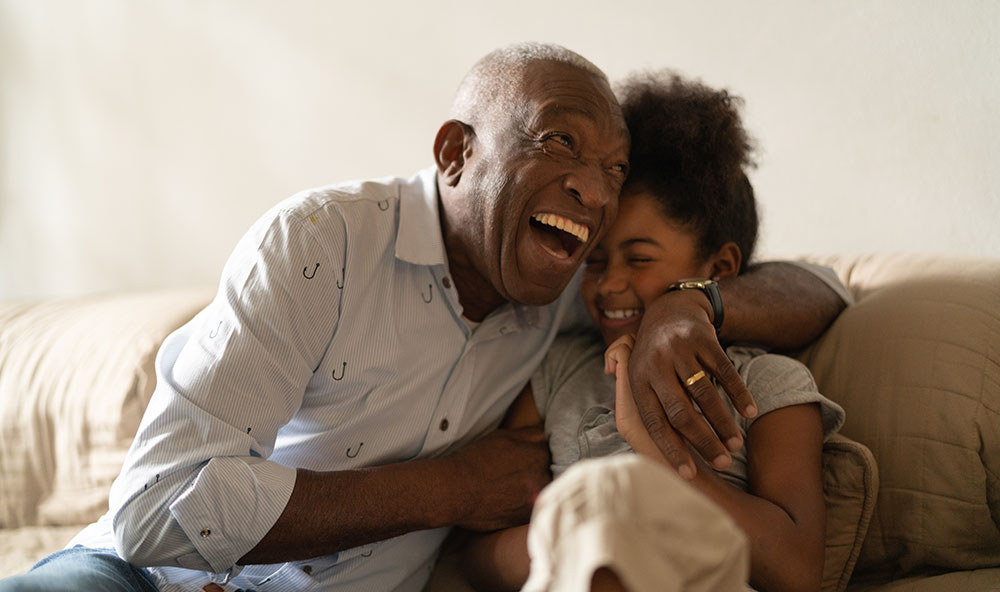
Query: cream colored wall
[[138, 140]]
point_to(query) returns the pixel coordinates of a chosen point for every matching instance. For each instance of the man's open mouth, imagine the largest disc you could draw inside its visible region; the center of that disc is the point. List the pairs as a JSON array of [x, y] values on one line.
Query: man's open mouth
[[559, 235]]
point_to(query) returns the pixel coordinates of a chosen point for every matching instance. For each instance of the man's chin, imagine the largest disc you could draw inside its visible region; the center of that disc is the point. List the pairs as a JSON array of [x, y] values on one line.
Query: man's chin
[[537, 294]]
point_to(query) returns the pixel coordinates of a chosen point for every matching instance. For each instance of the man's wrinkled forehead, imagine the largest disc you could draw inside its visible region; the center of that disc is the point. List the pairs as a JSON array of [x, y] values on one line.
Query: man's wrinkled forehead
[[552, 90], [546, 80]]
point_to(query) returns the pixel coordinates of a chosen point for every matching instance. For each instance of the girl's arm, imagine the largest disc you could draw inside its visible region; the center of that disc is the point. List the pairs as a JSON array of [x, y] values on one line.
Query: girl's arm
[[499, 560], [783, 513]]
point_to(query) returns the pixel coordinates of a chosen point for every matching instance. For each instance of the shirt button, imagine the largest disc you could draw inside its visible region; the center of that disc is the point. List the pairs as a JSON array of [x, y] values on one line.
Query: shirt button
[[446, 282], [308, 569], [444, 424], [205, 532]]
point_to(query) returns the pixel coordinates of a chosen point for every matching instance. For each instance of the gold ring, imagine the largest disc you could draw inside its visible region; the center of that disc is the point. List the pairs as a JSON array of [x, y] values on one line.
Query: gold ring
[[695, 378]]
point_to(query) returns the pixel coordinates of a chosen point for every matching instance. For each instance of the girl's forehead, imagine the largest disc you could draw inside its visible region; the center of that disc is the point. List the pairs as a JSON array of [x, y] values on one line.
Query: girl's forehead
[[641, 220], [642, 206]]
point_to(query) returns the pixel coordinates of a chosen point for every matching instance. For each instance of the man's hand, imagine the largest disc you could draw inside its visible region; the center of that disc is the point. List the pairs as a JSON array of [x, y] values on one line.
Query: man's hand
[[504, 472], [675, 343]]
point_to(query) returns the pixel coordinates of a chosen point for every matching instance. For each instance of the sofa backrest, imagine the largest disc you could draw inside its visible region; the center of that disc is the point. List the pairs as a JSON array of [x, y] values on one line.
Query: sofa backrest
[[75, 378], [915, 362]]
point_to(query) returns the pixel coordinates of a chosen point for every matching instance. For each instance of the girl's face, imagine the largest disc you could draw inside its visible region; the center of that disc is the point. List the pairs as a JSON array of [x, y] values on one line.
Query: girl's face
[[641, 255]]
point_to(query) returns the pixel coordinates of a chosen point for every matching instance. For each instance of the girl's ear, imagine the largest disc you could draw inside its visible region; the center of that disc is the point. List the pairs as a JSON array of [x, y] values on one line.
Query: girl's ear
[[726, 261]]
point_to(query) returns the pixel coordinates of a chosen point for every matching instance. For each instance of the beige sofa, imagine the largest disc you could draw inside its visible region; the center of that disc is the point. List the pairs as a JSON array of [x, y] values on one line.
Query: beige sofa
[[915, 362]]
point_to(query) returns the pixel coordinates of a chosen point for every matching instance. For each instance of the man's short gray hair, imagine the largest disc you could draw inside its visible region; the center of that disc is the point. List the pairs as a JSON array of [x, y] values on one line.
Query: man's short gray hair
[[494, 80]]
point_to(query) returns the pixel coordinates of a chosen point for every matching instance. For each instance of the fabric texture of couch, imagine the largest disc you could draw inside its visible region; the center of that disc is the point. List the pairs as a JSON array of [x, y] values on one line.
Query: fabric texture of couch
[[912, 487]]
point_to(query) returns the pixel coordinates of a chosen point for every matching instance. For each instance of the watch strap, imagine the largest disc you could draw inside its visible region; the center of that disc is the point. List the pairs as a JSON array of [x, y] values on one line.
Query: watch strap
[[708, 287]]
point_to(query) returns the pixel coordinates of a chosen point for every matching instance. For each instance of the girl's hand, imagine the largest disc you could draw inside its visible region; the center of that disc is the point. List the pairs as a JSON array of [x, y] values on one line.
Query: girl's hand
[[627, 418]]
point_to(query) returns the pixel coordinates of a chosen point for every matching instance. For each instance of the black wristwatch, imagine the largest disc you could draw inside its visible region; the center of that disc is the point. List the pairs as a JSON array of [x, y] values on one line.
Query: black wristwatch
[[711, 289]]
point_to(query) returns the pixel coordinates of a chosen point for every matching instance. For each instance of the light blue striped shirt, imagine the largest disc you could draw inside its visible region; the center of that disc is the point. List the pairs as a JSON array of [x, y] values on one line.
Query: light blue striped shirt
[[336, 341]]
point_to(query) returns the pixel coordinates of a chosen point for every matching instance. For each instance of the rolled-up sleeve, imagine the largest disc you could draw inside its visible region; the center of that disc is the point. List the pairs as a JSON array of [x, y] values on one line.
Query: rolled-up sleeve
[[197, 489], [828, 276], [223, 528]]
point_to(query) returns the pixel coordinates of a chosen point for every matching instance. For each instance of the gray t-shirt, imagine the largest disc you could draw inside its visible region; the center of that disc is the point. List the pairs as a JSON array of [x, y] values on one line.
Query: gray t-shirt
[[577, 399]]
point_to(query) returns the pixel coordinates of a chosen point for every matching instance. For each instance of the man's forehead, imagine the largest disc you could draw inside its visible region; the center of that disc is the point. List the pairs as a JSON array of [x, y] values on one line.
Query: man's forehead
[[544, 80]]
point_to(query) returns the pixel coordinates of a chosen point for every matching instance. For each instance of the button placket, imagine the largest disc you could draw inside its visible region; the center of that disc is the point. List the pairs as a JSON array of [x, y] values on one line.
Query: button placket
[[439, 274], [452, 403]]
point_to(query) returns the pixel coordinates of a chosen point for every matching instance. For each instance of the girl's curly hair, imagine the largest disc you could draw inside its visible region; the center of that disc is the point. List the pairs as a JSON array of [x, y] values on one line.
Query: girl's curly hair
[[690, 151]]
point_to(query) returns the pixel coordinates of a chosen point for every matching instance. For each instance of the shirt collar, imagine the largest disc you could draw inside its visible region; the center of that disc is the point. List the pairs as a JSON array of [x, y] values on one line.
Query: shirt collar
[[419, 240]]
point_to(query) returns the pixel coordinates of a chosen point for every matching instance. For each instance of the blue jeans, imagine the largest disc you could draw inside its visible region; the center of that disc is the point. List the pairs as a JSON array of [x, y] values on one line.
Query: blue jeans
[[81, 568]]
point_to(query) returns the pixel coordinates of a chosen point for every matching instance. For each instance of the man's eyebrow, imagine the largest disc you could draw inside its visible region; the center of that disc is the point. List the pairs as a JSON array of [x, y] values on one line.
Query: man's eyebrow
[[562, 110]]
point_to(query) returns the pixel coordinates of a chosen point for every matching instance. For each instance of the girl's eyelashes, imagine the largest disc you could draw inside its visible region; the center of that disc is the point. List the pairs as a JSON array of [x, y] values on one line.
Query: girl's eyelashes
[[638, 258]]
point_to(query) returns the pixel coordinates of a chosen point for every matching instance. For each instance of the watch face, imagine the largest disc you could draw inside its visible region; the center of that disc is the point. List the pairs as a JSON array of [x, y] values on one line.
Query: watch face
[[711, 290], [693, 284]]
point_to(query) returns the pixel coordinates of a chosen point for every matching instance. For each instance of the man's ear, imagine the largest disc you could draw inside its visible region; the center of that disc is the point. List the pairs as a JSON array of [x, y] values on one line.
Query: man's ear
[[726, 261], [452, 146]]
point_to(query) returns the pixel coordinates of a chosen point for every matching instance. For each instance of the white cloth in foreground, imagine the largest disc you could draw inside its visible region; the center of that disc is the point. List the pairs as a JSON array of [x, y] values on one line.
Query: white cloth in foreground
[[639, 519]]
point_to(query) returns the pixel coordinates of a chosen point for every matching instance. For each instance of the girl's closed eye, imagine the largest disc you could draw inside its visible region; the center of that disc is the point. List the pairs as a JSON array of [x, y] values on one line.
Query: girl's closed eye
[[637, 260]]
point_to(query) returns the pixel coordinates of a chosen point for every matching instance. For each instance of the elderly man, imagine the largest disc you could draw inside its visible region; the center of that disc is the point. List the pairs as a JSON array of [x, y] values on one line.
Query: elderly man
[[331, 413]]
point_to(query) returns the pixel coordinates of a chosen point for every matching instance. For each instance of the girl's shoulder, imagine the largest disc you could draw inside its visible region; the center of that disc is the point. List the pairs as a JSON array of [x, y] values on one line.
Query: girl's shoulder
[[778, 381]]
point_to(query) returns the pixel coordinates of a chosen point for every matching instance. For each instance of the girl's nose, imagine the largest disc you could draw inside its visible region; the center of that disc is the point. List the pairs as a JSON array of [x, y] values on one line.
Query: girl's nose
[[612, 281]]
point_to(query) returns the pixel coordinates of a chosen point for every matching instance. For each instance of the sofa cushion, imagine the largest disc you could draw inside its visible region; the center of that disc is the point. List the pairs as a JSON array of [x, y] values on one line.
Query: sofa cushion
[[850, 487], [977, 580], [916, 365], [20, 548], [75, 378]]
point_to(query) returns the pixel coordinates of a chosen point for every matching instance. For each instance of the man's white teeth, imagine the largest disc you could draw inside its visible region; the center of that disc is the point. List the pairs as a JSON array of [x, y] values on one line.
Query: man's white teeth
[[623, 313], [581, 232]]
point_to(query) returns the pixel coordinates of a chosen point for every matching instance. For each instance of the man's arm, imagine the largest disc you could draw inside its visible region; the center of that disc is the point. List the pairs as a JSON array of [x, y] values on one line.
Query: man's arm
[[775, 304], [487, 485], [197, 488], [781, 305], [499, 560]]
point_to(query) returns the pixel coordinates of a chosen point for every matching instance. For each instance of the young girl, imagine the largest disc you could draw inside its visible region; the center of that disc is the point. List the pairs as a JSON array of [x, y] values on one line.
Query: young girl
[[687, 211]]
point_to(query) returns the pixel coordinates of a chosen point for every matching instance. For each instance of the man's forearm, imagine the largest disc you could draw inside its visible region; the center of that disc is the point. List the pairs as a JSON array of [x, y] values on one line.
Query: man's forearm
[[486, 485], [332, 511], [777, 304]]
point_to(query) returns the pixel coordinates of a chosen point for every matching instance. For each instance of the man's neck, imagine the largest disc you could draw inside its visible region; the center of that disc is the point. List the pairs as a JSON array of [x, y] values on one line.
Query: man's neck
[[477, 297], [476, 294]]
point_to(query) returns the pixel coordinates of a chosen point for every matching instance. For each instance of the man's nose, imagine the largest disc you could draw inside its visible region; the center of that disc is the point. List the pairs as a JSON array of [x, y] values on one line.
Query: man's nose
[[586, 184]]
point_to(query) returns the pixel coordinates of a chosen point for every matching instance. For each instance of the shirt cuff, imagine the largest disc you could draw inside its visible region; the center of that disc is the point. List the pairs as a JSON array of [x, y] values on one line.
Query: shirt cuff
[[828, 277], [231, 505]]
